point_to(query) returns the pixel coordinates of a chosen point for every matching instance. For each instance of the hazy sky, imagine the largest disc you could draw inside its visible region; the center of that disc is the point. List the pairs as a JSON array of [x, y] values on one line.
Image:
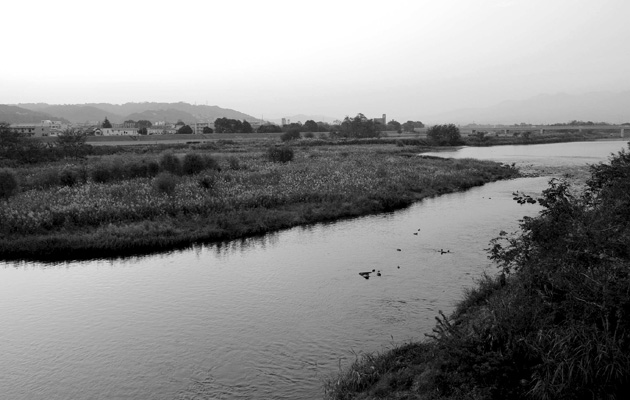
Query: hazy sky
[[404, 58]]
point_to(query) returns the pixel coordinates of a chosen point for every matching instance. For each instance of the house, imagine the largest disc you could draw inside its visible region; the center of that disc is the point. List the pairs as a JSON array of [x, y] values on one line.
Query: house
[[44, 128]]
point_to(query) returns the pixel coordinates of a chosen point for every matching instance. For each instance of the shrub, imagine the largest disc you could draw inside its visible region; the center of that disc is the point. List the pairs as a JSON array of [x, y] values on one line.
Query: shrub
[[280, 154], [101, 173], [165, 182], [193, 164], [309, 135], [45, 179], [234, 163], [208, 182], [211, 163], [69, 175], [400, 143], [444, 135], [8, 183], [291, 134], [169, 162]]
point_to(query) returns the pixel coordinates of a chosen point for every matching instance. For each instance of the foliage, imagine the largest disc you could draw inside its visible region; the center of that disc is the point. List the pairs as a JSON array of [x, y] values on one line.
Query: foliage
[[71, 175], [410, 126], [291, 134], [143, 131], [228, 125], [444, 135], [269, 128], [207, 129], [246, 127], [8, 183], [169, 162], [72, 143], [192, 164], [185, 130], [393, 125], [106, 123], [165, 183], [359, 127], [17, 146], [310, 126], [280, 154], [111, 215]]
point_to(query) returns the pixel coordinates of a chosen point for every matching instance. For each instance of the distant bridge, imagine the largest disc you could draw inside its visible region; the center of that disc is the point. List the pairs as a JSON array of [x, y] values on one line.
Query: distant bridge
[[622, 129]]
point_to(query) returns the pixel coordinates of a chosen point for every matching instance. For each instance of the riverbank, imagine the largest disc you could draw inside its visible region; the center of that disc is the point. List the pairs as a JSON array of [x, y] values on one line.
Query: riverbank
[[134, 203], [552, 324]]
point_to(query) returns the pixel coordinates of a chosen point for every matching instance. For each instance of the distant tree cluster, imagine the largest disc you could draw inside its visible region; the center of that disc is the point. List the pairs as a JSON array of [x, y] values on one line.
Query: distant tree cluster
[[409, 126], [580, 123], [359, 127], [269, 128], [228, 125], [445, 135]]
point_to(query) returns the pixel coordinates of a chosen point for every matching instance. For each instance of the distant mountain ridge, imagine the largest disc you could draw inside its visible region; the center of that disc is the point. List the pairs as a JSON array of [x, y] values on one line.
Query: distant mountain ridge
[[20, 115], [612, 107], [152, 111]]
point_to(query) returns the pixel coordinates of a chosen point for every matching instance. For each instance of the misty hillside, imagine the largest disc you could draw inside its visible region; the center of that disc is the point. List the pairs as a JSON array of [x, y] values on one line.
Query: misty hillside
[[18, 115], [546, 109], [171, 115], [76, 113], [153, 112]]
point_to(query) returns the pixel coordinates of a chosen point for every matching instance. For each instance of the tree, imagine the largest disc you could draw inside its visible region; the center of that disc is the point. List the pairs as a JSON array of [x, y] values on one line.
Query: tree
[[359, 127], [72, 143], [227, 125], [269, 128], [143, 131], [291, 134], [410, 126], [246, 127], [393, 125], [106, 123], [185, 130], [17, 146], [444, 135], [310, 126], [207, 129], [143, 123]]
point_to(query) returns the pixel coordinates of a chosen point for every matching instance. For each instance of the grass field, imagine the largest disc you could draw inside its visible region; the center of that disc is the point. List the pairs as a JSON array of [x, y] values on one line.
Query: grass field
[[134, 202]]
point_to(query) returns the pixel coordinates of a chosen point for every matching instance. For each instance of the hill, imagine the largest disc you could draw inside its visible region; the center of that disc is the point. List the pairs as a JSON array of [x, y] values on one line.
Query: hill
[[612, 107], [151, 111], [17, 115]]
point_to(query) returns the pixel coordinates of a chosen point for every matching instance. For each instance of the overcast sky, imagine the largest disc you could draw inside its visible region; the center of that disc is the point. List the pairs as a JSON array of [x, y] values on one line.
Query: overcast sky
[[272, 58]]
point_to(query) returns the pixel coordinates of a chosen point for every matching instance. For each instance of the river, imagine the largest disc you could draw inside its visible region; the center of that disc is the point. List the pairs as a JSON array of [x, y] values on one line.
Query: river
[[261, 318]]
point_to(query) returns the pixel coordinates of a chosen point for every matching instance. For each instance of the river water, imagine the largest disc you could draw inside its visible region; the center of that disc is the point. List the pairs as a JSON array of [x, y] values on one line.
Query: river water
[[261, 318]]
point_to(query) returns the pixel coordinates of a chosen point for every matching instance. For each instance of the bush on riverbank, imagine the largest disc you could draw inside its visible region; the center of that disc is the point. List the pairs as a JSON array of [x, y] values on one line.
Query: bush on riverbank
[[553, 325]]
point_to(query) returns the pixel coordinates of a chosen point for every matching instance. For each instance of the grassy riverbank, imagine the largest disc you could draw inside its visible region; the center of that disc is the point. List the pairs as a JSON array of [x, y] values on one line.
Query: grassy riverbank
[[135, 202], [554, 324]]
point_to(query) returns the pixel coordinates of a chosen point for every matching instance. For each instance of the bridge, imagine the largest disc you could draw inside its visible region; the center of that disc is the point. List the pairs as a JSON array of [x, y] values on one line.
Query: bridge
[[622, 129]]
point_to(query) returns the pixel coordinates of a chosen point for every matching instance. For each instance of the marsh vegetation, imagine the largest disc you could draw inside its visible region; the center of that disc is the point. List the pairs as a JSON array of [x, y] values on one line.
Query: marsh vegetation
[[144, 200]]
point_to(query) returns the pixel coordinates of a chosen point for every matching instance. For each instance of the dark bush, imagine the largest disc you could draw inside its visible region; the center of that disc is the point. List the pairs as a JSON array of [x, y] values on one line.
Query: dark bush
[[291, 134], [208, 181], [69, 175], [193, 164], [46, 179], [211, 163], [309, 135], [101, 173], [165, 182], [169, 162], [8, 183], [234, 163], [444, 135], [280, 154]]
